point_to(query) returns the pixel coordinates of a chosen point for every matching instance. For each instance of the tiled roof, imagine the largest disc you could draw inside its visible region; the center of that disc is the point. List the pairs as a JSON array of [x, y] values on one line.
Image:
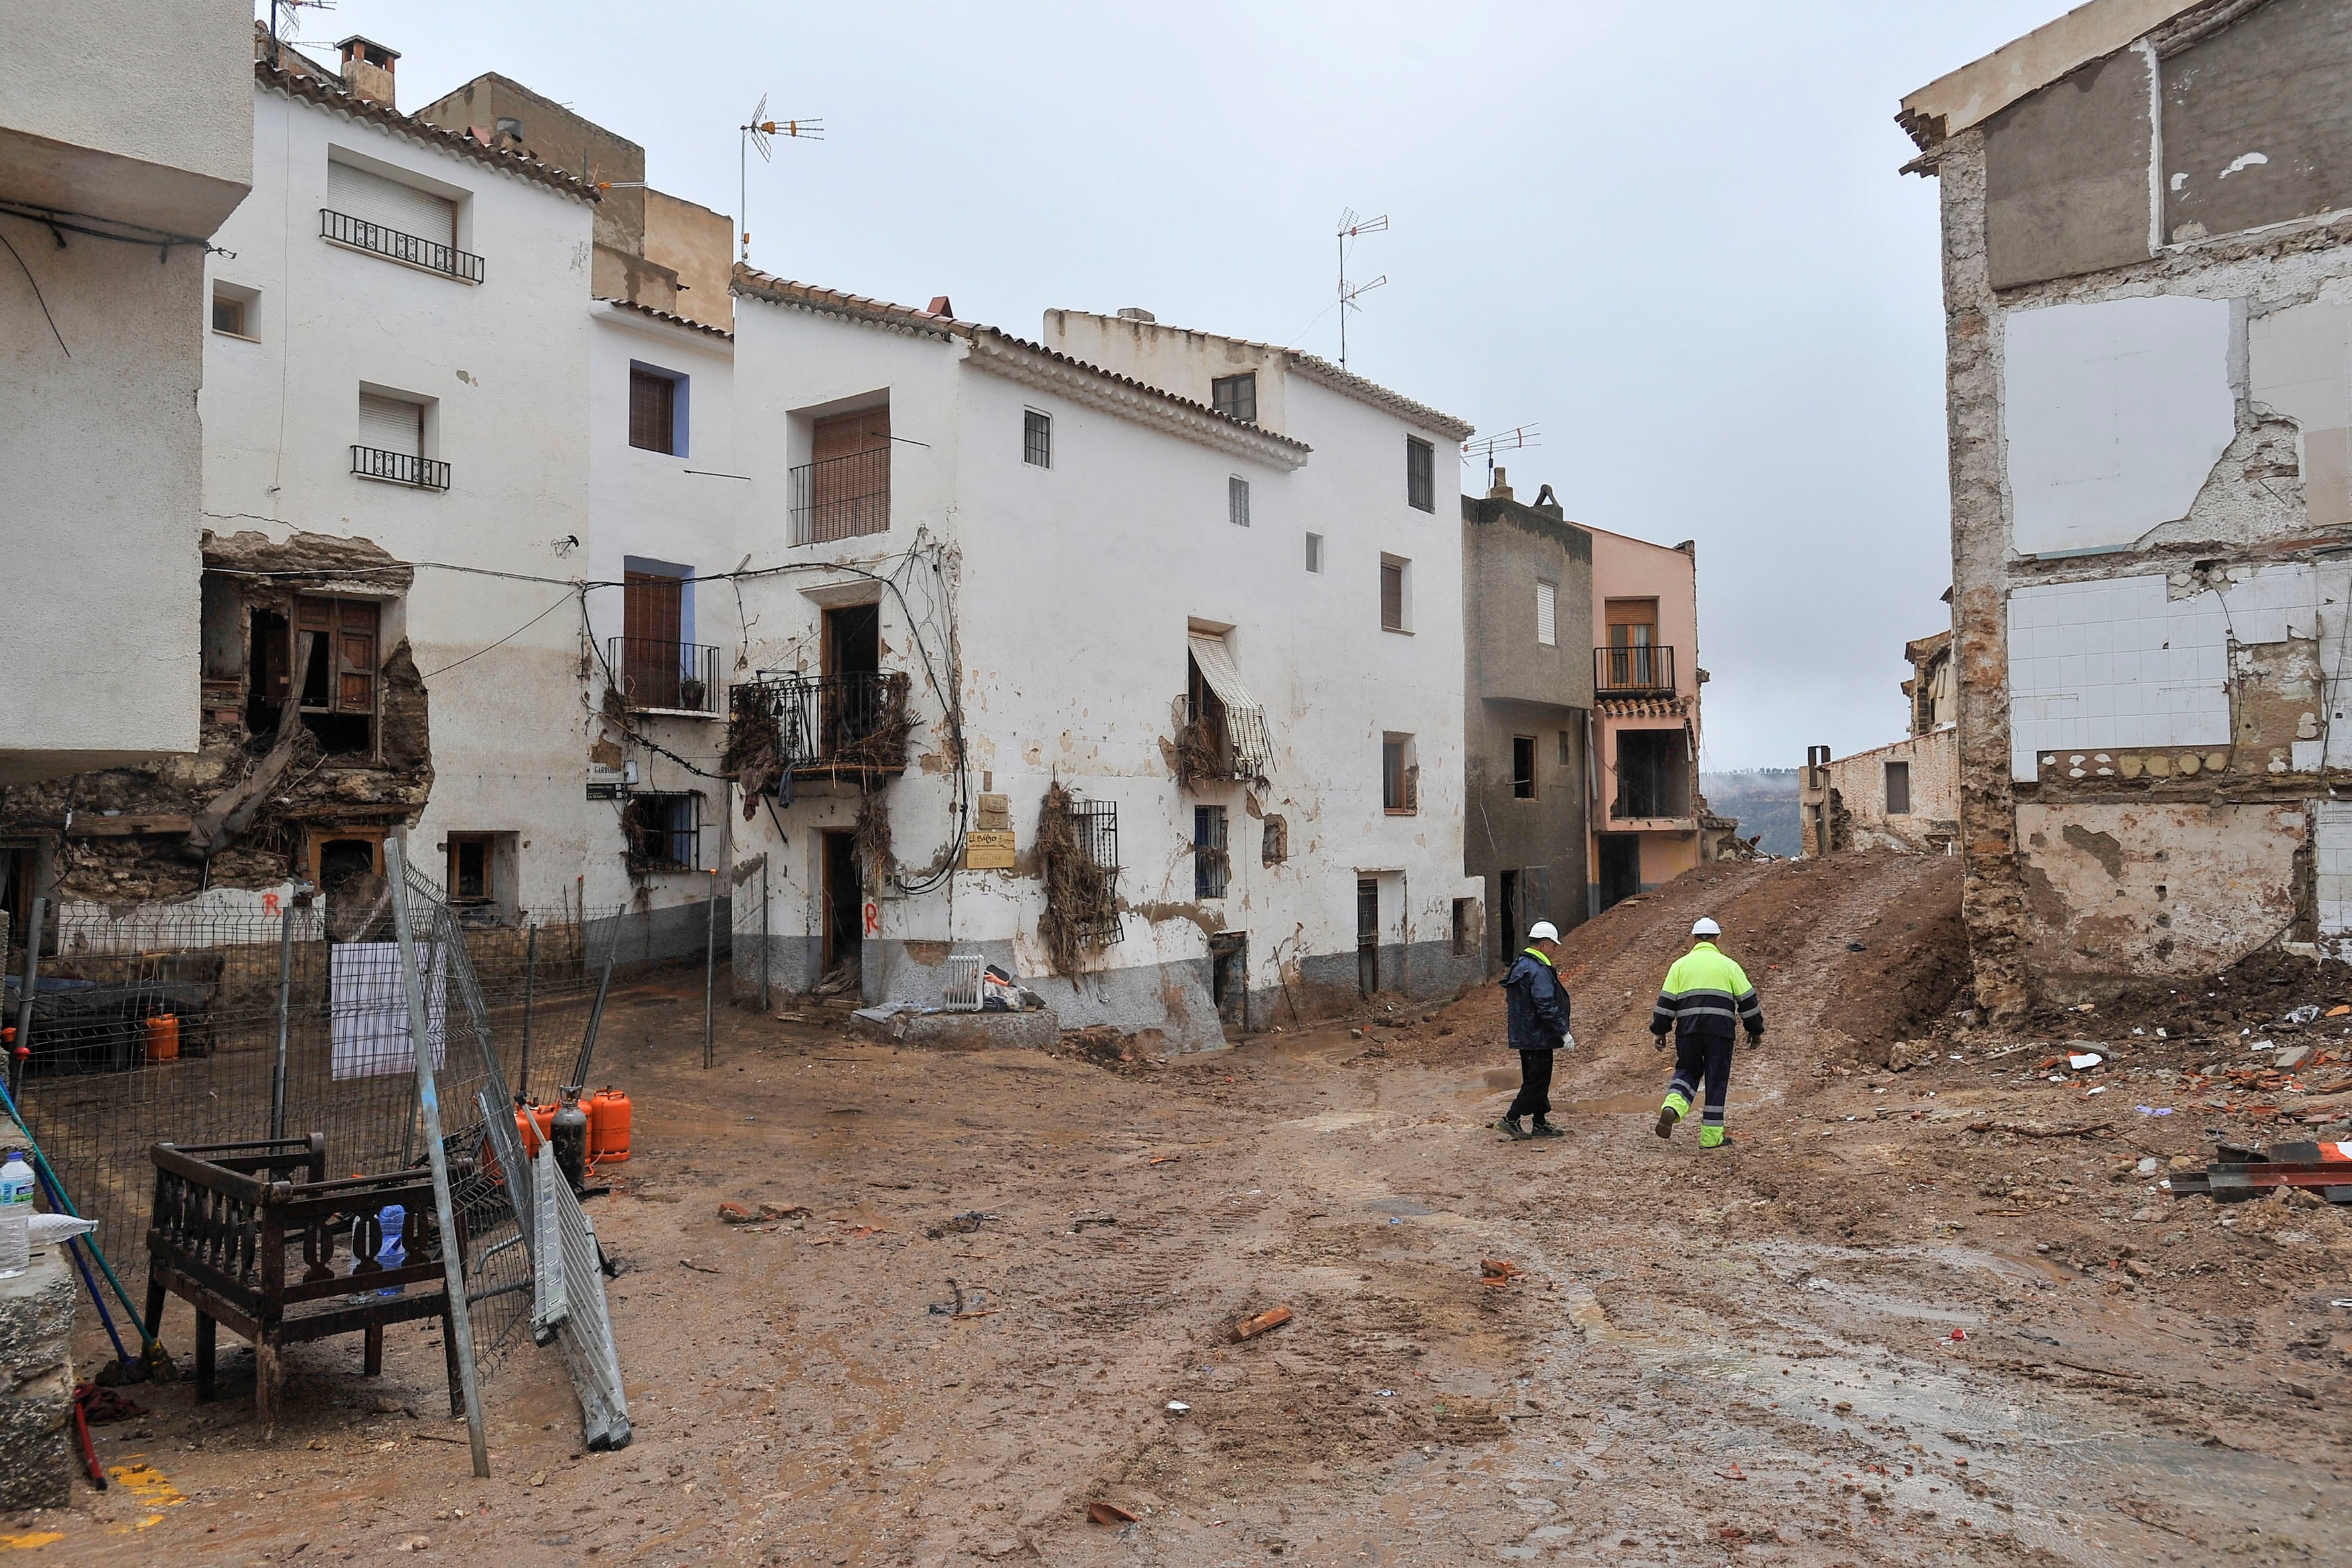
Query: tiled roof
[[1643, 707], [669, 316], [776, 291], [313, 86]]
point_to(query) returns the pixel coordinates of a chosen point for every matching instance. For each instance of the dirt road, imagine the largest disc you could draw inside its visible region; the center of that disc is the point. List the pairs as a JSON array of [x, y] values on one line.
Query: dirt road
[[1865, 1335]]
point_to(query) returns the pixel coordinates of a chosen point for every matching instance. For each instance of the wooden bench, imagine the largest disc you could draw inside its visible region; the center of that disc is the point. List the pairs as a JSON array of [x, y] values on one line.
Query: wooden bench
[[227, 1216]]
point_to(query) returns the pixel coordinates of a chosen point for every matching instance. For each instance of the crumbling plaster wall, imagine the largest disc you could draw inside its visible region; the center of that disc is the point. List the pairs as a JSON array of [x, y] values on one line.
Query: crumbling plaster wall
[[2281, 289], [1933, 821]]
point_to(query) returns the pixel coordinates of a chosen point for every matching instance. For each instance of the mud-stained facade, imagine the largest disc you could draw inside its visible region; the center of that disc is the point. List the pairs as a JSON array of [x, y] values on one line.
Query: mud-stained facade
[[2149, 289]]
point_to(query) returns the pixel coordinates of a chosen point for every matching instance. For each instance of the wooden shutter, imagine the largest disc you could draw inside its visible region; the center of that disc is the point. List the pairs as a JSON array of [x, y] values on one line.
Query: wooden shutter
[[850, 492], [349, 629], [1391, 597], [653, 412], [653, 619], [392, 425], [402, 208]]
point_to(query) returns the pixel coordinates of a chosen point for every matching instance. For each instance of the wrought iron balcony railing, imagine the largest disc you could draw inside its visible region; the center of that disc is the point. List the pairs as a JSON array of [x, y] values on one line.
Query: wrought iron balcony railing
[[654, 672], [841, 497], [815, 725], [400, 468], [417, 251], [1644, 670]]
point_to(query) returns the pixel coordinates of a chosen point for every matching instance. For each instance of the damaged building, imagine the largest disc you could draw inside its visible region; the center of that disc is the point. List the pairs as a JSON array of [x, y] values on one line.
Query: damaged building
[[1129, 658], [394, 428], [1901, 796], [2148, 294]]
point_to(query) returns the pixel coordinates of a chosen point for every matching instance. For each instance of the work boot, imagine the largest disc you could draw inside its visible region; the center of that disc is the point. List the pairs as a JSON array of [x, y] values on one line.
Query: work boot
[[1543, 1129], [1714, 1138], [1672, 1112], [1510, 1124]]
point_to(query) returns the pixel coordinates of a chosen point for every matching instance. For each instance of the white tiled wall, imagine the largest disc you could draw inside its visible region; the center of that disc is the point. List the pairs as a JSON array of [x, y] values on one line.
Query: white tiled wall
[[2111, 664], [2331, 826]]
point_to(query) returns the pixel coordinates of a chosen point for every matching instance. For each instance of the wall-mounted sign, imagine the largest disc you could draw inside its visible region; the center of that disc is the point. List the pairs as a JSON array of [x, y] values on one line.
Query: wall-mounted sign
[[988, 849]]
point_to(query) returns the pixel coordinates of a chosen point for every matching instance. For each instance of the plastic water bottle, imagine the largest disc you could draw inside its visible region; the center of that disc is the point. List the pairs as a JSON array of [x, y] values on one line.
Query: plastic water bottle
[[392, 1254], [15, 1215]]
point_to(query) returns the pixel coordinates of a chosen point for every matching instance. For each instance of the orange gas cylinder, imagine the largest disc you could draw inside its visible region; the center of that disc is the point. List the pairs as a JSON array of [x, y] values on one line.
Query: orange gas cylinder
[[531, 1126], [163, 1038], [608, 1127]]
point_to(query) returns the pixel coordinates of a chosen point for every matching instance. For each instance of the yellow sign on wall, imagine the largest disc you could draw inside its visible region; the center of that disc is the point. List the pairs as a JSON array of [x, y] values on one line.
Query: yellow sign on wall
[[988, 849]]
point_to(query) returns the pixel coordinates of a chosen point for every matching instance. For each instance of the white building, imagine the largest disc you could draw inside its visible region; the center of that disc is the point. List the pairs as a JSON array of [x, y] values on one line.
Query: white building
[[1095, 583], [125, 138]]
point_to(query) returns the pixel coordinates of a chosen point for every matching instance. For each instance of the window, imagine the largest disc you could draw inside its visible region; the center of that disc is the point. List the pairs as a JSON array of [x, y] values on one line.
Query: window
[[481, 875], [1898, 789], [334, 657], [1315, 552], [469, 868], [1037, 438], [1274, 845], [1395, 602], [390, 444], [657, 401], [654, 663], [1400, 775], [1466, 927], [1567, 751], [1224, 734], [367, 211], [665, 832], [1653, 775], [1547, 614], [1419, 474], [1523, 767], [843, 490], [1234, 396], [1237, 501], [233, 312], [1211, 864]]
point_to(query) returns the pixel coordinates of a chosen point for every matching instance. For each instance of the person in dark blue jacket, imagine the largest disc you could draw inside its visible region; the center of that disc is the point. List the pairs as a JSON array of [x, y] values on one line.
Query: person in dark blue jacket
[[1537, 1004]]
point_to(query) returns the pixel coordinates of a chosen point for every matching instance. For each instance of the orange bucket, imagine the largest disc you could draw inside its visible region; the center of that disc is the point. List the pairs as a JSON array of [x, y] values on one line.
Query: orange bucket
[[163, 1038], [608, 1127]]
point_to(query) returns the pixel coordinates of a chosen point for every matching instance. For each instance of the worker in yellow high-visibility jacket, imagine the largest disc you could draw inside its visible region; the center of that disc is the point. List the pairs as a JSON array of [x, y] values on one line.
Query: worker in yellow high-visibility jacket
[[1705, 1001]]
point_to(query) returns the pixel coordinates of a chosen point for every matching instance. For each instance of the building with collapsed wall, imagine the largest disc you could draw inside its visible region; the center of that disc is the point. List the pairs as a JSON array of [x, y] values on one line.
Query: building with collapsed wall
[[1901, 796], [2146, 207], [1130, 659], [386, 633]]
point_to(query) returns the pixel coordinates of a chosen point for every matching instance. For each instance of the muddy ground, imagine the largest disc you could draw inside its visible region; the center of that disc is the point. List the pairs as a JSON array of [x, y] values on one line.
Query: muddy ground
[[1880, 1329]]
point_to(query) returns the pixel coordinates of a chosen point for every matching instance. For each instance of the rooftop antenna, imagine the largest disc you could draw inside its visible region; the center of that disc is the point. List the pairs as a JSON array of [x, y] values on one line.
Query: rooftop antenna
[[292, 10], [1350, 225], [756, 135], [1515, 439]]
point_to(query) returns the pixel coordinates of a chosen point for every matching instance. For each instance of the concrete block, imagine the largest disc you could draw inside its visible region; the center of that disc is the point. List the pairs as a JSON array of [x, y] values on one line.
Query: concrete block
[[36, 1311]]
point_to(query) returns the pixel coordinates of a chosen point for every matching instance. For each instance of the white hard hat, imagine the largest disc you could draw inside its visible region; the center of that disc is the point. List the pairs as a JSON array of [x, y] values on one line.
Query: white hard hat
[[1543, 930], [1706, 927]]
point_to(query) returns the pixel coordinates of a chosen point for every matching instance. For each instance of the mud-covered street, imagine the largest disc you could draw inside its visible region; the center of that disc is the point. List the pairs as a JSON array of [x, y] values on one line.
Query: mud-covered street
[[1869, 1333]]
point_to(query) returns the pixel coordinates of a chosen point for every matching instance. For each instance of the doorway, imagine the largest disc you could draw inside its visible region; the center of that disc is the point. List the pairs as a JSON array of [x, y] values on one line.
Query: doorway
[[1229, 978], [1620, 867], [1368, 934], [844, 899], [1507, 904]]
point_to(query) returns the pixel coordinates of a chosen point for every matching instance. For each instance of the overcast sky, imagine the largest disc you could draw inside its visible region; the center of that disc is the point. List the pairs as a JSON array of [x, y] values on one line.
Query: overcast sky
[[1672, 237]]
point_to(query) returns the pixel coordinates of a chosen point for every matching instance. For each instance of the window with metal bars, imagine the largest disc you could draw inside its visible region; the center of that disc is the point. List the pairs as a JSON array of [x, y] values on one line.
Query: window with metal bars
[[1211, 861], [1037, 438], [1236, 396], [1237, 501], [665, 832], [1419, 474], [654, 398]]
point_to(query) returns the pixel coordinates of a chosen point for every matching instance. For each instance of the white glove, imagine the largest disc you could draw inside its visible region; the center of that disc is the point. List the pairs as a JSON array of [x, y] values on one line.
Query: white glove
[[1566, 1040]]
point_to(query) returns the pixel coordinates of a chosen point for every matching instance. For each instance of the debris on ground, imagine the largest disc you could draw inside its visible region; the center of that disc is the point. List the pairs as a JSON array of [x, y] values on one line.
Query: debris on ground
[[1108, 1513], [963, 1223], [1251, 1327]]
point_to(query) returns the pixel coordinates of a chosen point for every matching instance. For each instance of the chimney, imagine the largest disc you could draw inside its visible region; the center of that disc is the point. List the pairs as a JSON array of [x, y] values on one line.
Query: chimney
[[1500, 488], [941, 307], [1136, 313], [367, 70], [1549, 504]]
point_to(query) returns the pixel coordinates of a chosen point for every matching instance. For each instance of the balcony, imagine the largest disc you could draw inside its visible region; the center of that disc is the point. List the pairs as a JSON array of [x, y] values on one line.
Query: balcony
[[817, 726], [399, 468], [1643, 671], [658, 676], [841, 497], [341, 229]]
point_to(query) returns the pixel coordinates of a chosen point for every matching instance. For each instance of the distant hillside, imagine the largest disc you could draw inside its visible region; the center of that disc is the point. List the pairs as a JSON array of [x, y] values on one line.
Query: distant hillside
[[1765, 801]]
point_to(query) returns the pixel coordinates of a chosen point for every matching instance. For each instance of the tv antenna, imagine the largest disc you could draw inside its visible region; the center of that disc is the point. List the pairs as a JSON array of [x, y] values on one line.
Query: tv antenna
[[292, 10], [1517, 438], [1350, 225], [757, 134]]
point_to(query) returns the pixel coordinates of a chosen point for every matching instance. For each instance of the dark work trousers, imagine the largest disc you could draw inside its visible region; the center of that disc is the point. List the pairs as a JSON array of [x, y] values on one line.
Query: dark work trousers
[[1535, 1086], [1698, 1058]]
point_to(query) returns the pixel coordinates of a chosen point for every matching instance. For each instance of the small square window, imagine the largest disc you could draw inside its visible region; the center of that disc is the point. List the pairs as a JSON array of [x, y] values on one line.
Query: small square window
[[1237, 501], [1523, 767], [656, 398], [1419, 474], [1236, 396], [1315, 552], [1037, 438], [233, 311]]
